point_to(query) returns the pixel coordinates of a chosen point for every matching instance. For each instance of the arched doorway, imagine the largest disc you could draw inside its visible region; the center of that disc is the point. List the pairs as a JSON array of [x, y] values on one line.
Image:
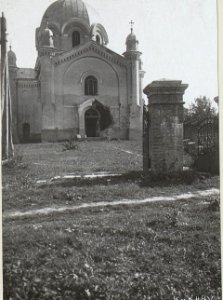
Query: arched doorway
[[92, 122], [26, 132]]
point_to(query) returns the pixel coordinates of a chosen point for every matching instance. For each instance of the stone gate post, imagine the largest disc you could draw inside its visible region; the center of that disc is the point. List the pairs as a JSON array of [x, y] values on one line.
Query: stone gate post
[[166, 125]]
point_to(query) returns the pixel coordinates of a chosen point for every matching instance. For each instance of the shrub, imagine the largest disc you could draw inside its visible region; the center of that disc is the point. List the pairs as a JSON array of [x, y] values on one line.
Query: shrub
[[70, 145], [208, 161]]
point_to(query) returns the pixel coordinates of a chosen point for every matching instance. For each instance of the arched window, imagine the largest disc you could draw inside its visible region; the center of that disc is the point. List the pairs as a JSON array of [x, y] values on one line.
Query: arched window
[[76, 38], [98, 40], [91, 86]]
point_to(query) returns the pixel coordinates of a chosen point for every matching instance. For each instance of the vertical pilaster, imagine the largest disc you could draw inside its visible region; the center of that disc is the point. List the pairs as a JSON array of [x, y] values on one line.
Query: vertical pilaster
[[47, 97]]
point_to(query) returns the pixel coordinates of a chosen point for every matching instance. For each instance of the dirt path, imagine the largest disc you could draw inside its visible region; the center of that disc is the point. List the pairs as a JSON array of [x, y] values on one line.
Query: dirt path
[[61, 209]]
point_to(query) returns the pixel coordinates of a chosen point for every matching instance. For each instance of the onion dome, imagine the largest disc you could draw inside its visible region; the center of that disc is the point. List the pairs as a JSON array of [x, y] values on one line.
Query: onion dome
[[11, 57], [131, 42]]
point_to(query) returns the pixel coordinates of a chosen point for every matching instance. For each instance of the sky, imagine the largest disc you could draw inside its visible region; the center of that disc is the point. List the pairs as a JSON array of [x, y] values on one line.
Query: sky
[[177, 38]]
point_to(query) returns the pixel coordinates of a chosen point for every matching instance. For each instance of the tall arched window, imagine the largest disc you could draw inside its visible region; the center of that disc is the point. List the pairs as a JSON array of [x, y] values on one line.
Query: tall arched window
[[98, 40], [91, 86], [76, 38]]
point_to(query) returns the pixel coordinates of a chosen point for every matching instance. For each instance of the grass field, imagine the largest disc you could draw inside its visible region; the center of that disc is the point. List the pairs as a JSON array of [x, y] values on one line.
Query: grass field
[[159, 250]]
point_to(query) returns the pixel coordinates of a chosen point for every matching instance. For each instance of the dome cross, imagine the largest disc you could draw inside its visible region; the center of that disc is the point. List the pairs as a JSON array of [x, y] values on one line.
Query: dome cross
[[131, 23]]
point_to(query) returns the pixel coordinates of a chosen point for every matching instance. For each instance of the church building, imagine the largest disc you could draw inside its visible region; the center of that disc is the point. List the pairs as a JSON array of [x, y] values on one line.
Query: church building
[[78, 85]]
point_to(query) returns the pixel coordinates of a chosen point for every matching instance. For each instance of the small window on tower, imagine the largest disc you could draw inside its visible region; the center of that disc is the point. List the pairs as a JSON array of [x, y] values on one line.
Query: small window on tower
[[91, 86], [98, 40], [76, 38]]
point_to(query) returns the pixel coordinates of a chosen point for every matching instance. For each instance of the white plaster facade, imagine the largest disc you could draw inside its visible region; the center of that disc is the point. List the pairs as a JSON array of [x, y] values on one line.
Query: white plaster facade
[[78, 85]]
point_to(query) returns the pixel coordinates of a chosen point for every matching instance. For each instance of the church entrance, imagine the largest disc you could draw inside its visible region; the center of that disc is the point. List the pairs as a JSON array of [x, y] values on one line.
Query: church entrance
[[92, 122], [26, 132]]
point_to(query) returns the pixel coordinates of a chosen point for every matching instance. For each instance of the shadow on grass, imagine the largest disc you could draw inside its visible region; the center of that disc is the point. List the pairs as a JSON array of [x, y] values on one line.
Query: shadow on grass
[[187, 177], [133, 176]]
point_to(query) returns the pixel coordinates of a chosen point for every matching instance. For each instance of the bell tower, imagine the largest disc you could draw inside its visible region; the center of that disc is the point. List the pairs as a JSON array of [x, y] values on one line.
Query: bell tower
[[135, 75], [45, 53]]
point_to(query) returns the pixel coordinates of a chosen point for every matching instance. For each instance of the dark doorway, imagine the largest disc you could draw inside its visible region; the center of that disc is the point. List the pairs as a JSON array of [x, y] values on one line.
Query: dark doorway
[[92, 123], [106, 119], [26, 132]]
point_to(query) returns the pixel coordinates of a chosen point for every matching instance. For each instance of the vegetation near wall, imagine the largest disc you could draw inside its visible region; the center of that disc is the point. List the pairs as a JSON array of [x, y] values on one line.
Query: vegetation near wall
[[201, 135]]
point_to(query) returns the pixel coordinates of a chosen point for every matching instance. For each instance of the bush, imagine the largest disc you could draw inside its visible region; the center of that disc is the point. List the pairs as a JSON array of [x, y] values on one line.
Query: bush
[[208, 161], [70, 145]]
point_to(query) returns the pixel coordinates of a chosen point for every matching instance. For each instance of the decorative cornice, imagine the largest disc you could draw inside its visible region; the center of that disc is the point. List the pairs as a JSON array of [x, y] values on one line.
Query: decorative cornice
[[132, 53], [92, 46], [27, 83]]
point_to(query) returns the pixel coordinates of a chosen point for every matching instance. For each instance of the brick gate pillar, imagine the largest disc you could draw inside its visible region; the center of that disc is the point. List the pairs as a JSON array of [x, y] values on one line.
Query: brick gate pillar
[[165, 99]]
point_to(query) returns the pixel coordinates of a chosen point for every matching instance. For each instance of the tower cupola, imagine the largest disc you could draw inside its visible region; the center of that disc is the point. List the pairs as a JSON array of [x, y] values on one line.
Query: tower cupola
[[11, 57], [46, 38], [131, 40]]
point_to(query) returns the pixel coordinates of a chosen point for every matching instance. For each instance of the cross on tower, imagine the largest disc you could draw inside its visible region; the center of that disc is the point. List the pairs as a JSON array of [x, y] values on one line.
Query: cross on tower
[[131, 23]]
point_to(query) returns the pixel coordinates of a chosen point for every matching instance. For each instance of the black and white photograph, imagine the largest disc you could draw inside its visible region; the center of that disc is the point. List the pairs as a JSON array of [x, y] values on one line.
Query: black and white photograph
[[110, 150]]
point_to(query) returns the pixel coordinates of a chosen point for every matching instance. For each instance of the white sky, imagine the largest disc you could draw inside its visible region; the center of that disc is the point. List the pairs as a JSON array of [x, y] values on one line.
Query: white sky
[[178, 38]]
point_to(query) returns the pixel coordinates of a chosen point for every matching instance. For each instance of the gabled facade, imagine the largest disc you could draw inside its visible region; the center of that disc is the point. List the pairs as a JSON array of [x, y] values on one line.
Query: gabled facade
[[78, 86]]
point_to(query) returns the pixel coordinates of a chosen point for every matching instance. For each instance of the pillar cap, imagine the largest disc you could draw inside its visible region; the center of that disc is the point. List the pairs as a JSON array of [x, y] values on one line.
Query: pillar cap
[[165, 86]]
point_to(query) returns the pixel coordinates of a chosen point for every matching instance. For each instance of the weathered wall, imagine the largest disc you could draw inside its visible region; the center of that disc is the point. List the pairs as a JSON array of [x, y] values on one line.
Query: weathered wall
[[68, 94], [29, 108], [166, 136], [25, 73], [61, 93]]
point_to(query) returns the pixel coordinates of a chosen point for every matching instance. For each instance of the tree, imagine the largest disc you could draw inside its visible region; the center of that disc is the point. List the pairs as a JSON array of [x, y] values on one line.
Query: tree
[[200, 110]]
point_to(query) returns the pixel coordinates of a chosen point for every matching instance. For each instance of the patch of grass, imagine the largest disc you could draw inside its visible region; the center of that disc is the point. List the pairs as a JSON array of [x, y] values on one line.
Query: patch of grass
[[16, 162], [214, 205], [185, 177], [28, 195], [44, 161], [154, 251], [158, 251]]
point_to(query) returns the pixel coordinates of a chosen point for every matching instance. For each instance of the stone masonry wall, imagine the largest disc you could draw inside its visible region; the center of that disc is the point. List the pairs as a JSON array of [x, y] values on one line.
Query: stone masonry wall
[[166, 126], [166, 137]]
